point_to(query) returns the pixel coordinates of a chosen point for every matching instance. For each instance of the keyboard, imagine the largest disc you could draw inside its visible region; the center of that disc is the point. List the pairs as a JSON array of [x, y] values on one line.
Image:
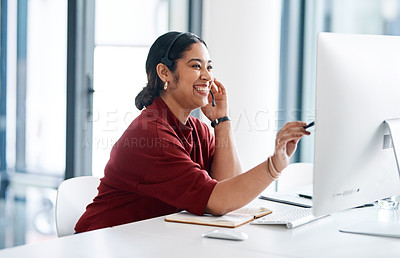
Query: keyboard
[[292, 217]]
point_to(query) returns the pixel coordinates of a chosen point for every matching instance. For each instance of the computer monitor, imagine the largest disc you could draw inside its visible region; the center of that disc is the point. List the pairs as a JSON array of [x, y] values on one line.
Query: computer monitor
[[357, 89]]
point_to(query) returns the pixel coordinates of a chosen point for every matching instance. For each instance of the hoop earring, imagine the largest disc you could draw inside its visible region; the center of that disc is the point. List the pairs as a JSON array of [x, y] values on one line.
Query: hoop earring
[[165, 85]]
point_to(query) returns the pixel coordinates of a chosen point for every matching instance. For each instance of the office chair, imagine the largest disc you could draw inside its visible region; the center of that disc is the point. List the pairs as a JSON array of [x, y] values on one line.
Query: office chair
[[73, 195]]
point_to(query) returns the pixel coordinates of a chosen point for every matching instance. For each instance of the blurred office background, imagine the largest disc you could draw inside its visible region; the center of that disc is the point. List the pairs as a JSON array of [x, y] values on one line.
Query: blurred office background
[[70, 71]]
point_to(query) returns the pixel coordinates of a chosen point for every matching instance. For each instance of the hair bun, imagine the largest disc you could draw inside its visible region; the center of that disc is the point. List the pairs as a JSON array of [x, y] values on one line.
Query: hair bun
[[144, 98]]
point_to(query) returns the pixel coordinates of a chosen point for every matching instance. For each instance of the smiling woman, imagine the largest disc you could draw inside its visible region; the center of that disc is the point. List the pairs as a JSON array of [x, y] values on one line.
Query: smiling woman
[[190, 87], [186, 89], [188, 169]]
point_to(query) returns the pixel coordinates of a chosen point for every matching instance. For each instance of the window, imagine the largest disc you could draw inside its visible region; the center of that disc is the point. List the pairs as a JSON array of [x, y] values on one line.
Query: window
[[34, 51], [341, 16], [124, 32], [36, 86]]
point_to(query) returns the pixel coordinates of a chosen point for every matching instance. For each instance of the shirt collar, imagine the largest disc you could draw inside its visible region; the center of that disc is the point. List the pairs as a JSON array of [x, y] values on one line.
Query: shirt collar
[[166, 114]]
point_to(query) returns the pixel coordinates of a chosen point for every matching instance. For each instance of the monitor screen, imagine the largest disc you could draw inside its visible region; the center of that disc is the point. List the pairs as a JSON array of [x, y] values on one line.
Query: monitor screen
[[357, 89]]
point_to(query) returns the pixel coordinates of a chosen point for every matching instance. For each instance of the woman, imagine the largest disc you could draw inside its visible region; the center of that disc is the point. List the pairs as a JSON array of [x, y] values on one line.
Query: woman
[[167, 160]]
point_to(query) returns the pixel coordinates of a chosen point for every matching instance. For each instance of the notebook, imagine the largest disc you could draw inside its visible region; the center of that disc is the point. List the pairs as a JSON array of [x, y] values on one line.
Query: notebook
[[231, 220]]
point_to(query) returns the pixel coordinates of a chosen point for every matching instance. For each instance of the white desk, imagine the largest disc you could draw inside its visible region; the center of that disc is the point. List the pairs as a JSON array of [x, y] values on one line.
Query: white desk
[[157, 238]]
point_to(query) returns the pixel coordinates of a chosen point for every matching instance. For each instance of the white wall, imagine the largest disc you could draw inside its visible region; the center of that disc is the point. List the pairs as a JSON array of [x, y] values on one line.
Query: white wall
[[243, 37]]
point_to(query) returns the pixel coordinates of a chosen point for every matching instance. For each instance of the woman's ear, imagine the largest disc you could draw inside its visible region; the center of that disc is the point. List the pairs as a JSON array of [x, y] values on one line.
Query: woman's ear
[[163, 72]]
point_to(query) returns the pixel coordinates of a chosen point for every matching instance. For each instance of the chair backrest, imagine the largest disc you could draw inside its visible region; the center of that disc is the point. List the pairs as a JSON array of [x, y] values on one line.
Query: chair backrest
[[73, 195]]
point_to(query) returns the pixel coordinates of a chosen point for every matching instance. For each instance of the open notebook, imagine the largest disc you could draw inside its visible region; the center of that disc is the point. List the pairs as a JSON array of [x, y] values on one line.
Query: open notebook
[[231, 220]]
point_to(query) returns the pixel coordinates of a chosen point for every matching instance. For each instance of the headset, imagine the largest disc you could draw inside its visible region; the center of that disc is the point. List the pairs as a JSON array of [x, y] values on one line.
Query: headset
[[168, 62], [165, 60]]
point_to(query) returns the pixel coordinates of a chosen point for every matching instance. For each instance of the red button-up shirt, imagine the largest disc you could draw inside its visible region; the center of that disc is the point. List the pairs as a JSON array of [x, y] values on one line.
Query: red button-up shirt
[[158, 166]]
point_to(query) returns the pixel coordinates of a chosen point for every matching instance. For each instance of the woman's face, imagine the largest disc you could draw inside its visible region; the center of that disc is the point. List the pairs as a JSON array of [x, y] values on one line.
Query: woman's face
[[194, 78]]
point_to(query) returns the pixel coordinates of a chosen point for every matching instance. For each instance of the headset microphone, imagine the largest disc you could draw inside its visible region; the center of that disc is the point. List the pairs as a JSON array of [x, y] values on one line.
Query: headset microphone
[[213, 99]]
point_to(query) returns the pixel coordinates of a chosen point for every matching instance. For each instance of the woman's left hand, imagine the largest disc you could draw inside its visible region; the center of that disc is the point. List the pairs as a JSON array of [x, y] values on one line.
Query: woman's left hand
[[221, 99]]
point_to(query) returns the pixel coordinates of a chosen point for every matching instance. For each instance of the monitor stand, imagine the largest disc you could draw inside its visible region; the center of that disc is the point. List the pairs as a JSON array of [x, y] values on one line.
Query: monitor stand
[[394, 129], [376, 227]]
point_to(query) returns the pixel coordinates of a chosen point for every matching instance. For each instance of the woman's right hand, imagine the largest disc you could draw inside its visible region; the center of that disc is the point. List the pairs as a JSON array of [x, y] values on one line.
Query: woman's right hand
[[286, 143], [221, 99]]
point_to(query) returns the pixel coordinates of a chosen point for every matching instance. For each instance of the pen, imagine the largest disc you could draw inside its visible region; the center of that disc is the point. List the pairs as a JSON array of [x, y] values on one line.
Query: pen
[[305, 196], [365, 205], [309, 125]]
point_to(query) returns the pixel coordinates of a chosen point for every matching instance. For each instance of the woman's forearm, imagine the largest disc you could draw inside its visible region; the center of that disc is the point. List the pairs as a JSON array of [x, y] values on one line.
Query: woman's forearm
[[226, 162], [234, 193]]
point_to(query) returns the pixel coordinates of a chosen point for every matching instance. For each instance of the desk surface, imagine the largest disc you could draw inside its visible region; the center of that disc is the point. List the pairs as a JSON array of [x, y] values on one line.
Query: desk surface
[[157, 238]]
